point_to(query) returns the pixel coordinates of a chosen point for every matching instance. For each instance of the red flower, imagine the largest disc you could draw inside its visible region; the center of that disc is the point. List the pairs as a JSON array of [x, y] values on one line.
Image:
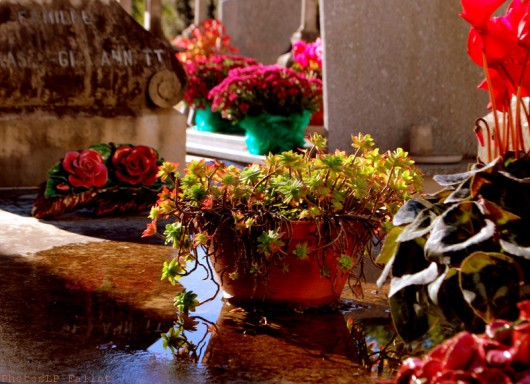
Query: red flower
[[308, 57], [63, 187], [478, 12], [204, 73], [86, 169], [136, 165], [521, 344], [500, 90], [517, 17]]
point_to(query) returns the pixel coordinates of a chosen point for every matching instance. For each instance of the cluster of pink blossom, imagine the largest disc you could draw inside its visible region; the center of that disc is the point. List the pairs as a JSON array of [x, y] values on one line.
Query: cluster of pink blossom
[[308, 57], [204, 73], [269, 89], [500, 355]]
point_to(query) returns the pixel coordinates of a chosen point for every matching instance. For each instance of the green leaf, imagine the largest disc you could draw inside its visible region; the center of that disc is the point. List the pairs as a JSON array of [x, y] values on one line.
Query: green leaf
[[408, 260], [301, 251], [420, 227], [507, 192], [105, 150], [409, 211], [457, 178], [176, 234], [458, 232], [490, 284], [186, 301], [270, 242], [461, 193], [56, 170], [390, 246], [515, 239], [497, 214], [451, 301], [172, 271], [409, 312], [346, 263]]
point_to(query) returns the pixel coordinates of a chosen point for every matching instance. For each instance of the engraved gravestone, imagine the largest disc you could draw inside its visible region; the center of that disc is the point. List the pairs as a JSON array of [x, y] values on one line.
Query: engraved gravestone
[[77, 72]]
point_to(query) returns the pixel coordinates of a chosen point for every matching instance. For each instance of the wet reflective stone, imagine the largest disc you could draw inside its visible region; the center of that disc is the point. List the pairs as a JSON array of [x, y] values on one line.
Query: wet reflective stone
[[82, 299]]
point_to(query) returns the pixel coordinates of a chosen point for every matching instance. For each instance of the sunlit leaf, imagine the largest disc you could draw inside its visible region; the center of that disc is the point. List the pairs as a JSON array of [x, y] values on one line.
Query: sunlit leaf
[[460, 231], [390, 246], [408, 212], [424, 277]]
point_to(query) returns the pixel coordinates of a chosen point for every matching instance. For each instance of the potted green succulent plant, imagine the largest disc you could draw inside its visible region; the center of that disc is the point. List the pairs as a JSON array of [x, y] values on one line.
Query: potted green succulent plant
[[272, 232], [462, 255]]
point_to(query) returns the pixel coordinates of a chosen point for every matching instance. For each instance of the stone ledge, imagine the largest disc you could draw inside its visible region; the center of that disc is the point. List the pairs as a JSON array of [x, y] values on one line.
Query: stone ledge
[[228, 147]]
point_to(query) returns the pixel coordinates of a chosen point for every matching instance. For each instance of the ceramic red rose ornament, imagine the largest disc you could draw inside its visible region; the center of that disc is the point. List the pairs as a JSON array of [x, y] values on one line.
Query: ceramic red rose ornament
[[110, 178]]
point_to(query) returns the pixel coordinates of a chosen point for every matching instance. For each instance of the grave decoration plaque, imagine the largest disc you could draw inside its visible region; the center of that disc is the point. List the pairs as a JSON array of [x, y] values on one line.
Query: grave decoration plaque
[[74, 56]]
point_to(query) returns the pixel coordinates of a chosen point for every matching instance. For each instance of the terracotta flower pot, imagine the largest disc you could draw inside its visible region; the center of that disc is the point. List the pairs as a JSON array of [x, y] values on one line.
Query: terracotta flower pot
[[291, 282]]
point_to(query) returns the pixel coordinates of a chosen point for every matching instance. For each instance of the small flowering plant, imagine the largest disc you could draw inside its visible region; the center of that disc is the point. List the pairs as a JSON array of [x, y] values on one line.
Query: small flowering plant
[[501, 46], [308, 57], [203, 40], [82, 175], [259, 89], [308, 60], [204, 73], [256, 206]]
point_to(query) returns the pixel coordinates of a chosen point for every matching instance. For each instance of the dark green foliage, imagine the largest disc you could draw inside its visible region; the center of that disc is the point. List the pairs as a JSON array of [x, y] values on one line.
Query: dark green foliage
[[462, 255]]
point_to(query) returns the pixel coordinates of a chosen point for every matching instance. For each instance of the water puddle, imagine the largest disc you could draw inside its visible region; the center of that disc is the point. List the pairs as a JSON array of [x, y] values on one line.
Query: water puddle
[[95, 312]]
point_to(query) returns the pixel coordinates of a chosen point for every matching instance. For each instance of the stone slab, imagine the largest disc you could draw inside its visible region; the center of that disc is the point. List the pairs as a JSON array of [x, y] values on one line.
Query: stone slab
[[228, 147], [82, 55], [390, 65], [74, 73], [261, 29], [32, 143]]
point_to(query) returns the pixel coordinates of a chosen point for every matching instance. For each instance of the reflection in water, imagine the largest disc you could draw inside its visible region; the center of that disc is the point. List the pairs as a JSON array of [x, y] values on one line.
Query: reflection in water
[[96, 311], [288, 346], [49, 329]]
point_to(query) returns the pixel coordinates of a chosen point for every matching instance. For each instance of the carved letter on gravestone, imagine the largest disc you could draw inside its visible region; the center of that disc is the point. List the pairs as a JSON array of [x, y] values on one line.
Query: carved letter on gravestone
[[72, 56]]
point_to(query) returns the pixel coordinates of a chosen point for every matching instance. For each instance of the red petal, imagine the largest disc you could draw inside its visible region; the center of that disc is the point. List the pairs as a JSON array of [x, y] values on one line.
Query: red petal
[[524, 309], [101, 178], [463, 352], [499, 40], [69, 158], [477, 12]]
